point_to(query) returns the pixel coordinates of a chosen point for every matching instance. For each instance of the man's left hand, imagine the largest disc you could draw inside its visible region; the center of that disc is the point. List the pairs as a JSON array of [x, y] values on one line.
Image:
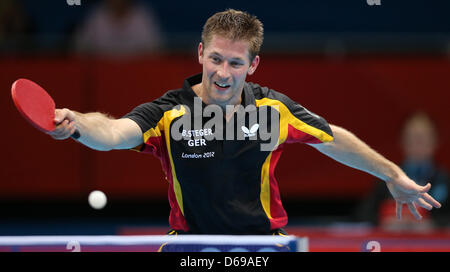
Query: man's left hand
[[406, 191]]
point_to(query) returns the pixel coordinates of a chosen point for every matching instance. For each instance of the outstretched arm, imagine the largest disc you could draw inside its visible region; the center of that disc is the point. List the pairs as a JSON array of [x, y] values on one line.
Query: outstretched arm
[[98, 131], [347, 149]]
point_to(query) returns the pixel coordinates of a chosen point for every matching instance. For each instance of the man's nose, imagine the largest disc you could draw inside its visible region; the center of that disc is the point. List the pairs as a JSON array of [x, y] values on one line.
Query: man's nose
[[223, 71]]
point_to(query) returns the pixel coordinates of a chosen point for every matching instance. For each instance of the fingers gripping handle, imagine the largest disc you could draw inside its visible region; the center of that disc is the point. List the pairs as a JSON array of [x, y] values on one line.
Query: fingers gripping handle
[[62, 115]]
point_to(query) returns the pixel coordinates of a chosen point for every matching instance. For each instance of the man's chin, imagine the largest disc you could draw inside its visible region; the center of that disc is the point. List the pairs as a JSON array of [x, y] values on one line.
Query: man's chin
[[223, 95], [221, 99]]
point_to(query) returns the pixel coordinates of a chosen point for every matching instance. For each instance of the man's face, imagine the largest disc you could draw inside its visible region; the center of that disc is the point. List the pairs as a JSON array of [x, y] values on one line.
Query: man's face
[[226, 64]]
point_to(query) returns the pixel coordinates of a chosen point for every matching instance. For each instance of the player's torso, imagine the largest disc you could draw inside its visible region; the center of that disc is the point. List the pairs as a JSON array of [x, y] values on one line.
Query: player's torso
[[218, 165]]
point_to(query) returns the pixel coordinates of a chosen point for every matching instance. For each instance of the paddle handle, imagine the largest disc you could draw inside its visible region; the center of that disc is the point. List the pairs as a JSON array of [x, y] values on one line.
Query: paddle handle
[[76, 135]]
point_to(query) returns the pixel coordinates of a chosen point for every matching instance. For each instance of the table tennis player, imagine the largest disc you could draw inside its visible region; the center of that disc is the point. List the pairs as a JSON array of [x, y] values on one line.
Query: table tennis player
[[219, 139]]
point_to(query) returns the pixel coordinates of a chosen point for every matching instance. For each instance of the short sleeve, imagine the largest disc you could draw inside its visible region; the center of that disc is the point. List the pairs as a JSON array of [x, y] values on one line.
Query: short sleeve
[[306, 126], [297, 124], [148, 116]]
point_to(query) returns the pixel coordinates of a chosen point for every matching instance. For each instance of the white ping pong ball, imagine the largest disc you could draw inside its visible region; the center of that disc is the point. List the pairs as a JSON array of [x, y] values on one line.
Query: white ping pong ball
[[97, 199]]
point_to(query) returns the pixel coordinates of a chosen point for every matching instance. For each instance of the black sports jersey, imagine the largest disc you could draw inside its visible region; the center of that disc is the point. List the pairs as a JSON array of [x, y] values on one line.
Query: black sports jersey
[[221, 180]]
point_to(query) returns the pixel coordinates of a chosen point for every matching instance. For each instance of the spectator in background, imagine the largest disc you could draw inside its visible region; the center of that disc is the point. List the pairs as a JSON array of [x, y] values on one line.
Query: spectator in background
[[16, 31], [119, 28], [419, 142]]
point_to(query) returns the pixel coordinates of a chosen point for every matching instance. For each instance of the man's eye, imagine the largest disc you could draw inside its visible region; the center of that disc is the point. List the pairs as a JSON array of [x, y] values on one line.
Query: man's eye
[[215, 59], [235, 64]]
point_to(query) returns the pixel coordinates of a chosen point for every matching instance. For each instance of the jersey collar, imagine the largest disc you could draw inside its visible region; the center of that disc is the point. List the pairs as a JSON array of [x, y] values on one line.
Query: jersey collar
[[248, 97]]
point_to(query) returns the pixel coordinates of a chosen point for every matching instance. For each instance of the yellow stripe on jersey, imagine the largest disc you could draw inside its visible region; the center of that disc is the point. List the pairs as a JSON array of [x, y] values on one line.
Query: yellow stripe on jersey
[[286, 119], [164, 125], [290, 119]]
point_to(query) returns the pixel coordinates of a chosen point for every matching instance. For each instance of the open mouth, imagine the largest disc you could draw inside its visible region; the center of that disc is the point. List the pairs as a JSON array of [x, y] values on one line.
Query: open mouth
[[222, 86]]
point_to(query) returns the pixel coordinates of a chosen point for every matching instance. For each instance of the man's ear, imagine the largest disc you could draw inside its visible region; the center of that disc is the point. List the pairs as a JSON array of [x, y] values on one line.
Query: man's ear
[[200, 53], [253, 65]]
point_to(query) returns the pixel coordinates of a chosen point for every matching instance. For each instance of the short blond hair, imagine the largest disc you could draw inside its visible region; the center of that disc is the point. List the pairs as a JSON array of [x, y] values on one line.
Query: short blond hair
[[235, 25]]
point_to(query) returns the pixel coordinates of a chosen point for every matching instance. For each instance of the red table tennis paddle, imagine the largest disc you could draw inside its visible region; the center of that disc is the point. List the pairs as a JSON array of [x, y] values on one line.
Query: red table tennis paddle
[[35, 105]]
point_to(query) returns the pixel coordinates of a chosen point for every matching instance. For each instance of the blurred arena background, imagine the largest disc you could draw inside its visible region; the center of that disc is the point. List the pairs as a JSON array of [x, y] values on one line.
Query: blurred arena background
[[358, 64]]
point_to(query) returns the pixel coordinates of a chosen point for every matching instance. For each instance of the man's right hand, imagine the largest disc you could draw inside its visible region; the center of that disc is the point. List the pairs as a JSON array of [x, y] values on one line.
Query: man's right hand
[[65, 124]]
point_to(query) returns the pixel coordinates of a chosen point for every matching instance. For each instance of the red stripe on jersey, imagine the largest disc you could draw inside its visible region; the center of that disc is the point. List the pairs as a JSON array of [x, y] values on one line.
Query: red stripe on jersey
[[277, 212], [298, 136]]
